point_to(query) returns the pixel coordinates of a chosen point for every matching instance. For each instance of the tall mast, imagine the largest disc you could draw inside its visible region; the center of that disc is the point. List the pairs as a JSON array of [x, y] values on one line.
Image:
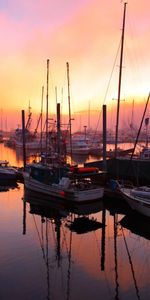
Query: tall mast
[[47, 83], [89, 112], [120, 76], [42, 118], [70, 134], [56, 96], [58, 129]]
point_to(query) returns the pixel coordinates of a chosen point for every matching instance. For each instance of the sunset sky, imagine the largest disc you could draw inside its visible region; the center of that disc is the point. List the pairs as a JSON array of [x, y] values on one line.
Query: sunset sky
[[85, 33]]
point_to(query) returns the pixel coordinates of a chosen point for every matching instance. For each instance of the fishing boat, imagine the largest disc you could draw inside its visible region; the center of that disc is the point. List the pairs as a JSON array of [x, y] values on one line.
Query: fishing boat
[[7, 172], [64, 182]]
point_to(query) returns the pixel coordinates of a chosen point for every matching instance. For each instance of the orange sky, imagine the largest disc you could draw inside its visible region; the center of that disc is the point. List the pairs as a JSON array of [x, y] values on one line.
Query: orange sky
[[86, 34]]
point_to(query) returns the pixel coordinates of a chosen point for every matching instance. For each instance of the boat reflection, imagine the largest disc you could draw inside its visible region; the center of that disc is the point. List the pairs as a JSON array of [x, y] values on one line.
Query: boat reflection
[[116, 206], [61, 227], [52, 203], [137, 224], [81, 221], [53, 218], [45, 206], [6, 186], [84, 224], [48, 219]]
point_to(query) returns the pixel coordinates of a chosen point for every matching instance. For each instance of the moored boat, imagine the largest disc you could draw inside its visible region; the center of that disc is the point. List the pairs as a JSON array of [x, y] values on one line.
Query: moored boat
[[63, 182], [79, 145], [7, 172], [138, 198]]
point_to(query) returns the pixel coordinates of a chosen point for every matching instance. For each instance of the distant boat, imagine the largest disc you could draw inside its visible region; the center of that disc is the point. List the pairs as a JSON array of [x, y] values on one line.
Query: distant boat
[[96, 148], [32, 141], [7, 172], [30, 145], [121, 152], [79, 145]]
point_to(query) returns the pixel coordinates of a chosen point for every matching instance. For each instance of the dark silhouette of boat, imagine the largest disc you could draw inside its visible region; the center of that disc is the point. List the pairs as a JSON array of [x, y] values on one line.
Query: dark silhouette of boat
[[84, 224], [137, 224]]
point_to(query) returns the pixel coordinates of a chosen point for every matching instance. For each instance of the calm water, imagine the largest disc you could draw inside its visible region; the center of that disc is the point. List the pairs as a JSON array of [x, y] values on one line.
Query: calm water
[[45, 254]]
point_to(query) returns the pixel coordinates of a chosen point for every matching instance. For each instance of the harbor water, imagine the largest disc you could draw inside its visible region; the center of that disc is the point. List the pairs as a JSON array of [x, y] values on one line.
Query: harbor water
[[50, 250]]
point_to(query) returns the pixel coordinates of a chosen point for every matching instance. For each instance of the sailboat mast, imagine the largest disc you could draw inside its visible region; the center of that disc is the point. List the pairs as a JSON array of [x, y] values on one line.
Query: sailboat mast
[[89, 111], [120, 77], [41, 139], [70, 133], [47, 83], [58, 129], [56, 96]]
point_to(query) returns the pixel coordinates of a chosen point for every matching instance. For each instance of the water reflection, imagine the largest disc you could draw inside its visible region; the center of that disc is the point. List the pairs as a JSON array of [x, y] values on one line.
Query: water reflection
[[6, 186], [71, 221], [43, 258], [65, 221], [137, 224], [30, 155]]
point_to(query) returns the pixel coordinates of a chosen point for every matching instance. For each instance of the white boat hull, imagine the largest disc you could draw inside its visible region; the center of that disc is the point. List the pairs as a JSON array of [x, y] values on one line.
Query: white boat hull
[[59, 191], [85, 195], [140, 204]]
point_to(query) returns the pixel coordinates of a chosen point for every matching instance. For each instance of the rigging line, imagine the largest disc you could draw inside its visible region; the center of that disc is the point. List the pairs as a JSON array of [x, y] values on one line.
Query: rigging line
[[106, 279], [69, 265], [96, 239], [112, 72], [130, 261], [65, 241], [43, 251], [115, 254], [47, 239], [62, 281], [42, 234], [132, 30], [104, 101], [53, 230], [140, 126], [47, 262]]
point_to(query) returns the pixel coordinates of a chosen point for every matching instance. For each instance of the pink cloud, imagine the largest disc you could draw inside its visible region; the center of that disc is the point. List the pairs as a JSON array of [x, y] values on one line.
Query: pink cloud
[[85, 33]]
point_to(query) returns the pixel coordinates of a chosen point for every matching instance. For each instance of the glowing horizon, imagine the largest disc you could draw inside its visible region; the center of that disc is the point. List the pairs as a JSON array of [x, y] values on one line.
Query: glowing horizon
[[87, 35]]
